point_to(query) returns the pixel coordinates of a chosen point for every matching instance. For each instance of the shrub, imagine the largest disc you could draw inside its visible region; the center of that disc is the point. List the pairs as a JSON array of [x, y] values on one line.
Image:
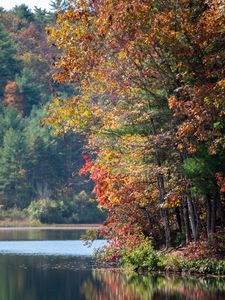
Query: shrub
[[45, 211], [13, 214], [202, 266], [142, 255]]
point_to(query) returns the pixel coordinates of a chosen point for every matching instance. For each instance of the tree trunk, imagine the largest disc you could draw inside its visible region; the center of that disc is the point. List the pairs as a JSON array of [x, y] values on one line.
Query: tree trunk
[[193, 221], [213, 215], [196, 219], [164, 212], [211, 202], [161, 187], [179, 219], [186, 220], [209, 211]]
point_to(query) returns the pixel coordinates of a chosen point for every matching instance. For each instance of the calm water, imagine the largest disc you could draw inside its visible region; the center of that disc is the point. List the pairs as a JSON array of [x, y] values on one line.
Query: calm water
[[55, 265]]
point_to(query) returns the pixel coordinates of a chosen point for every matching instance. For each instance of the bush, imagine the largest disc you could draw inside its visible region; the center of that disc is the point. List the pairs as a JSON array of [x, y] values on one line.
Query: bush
[[13, 214], [205, 266], [45, 211], [142, 255], [202, 266], [85, 211], [78, 210]]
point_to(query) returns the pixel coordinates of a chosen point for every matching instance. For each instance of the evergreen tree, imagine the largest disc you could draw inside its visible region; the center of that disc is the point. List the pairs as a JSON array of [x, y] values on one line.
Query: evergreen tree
[[30, 88], [9, 118], [58, 5], [8, 62], [23, 12], [42, 16], [14, 190]]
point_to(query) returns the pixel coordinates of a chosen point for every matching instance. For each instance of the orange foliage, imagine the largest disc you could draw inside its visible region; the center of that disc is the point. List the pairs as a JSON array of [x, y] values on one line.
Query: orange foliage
[[12, 96], [149, 78]]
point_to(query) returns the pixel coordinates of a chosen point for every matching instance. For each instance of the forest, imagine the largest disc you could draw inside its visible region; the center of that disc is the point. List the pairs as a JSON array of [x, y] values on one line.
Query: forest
[[39, 174], [149, 101]]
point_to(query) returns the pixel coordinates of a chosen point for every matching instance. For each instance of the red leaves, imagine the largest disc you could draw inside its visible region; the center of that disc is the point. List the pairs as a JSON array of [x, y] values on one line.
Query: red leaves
[[87, 166], [220, 179], [128, 57]]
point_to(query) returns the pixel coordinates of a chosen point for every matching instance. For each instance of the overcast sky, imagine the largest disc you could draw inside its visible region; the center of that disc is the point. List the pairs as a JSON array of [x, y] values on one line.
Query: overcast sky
[[8, 4]]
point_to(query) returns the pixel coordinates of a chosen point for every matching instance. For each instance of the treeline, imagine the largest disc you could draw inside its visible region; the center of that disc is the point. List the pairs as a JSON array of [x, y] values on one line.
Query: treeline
[[151, 99], [38, 171]]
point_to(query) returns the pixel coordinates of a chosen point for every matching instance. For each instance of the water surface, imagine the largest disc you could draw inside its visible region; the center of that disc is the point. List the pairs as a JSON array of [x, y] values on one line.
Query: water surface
[[55, 265]]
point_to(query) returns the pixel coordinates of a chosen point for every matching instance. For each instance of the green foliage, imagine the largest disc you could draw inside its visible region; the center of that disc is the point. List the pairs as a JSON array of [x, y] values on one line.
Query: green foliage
[[66, 211], [203, 266], [41, 16], [85, 211], [201, 168], [10, 118], [13, 158], [30, 88], [143, 255], [35, 164], [13, 214], [8, 61], [23, 12], [206, 266], [58, 5], [44, 210]]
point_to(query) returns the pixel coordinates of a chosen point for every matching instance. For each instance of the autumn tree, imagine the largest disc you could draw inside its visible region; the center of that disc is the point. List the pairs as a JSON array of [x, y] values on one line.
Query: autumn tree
[[150, 83]]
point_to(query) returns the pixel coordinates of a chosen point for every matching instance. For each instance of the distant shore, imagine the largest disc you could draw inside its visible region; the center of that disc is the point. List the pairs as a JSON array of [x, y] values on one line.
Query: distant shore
[[15, 226]]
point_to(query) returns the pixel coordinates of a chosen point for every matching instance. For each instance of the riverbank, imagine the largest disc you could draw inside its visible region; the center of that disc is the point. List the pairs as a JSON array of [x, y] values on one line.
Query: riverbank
[[190, 259], [36, 225], [169, 265]]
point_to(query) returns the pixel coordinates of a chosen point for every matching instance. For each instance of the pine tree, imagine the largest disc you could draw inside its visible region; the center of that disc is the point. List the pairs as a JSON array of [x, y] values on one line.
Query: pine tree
[[23, 12], [8, 62], [30, 89], [13, 187]]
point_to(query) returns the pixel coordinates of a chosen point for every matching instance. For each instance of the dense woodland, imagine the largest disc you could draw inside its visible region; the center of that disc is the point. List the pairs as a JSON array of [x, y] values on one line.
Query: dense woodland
[[39, 171], [149, 78]]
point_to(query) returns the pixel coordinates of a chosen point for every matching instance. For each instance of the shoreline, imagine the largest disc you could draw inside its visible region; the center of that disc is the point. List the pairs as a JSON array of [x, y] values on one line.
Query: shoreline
[[50, 227], [178, 274]]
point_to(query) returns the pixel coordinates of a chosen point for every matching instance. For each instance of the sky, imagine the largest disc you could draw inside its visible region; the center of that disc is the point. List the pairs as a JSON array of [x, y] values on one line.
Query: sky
[[8, 4]]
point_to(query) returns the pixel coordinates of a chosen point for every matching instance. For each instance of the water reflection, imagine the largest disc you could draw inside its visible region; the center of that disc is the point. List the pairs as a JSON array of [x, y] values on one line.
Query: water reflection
[[9, 234], [111, 285], [43, 278], [78, 278]]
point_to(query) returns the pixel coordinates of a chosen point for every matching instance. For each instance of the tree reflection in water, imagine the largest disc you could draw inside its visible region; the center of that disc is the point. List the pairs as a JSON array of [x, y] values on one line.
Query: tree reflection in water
[[114, 285], [73, 278]]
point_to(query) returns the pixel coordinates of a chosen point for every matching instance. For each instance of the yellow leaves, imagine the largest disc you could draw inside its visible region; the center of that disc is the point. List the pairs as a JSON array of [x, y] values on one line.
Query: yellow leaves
[[221, 84], [122, 55], [172, 201], [172, 102], [56, 102], [87, 113], [71, 114], [180, 146], [207, 100]]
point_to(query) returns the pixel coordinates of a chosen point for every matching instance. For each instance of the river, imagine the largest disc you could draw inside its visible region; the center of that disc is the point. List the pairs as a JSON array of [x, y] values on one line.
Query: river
[[54, 264]]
